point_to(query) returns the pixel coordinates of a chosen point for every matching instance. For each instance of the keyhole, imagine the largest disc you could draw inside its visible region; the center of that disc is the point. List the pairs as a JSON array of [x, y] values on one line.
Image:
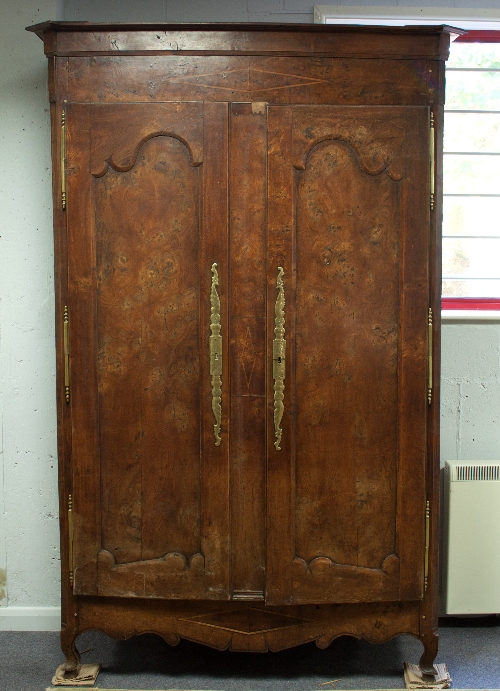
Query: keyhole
[[279, 360], [216, 356]]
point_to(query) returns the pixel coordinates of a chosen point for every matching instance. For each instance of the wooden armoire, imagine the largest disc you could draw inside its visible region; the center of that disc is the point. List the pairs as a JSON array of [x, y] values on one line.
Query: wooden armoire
[[247, 233]]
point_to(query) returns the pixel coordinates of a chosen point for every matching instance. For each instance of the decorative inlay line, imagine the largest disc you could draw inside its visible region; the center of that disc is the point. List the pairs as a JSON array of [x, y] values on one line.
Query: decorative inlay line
[[248, 621], [248, 358], [247, 86]]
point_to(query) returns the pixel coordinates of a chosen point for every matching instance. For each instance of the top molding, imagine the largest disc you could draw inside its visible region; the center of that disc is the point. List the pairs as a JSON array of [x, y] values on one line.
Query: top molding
[[68, 39]]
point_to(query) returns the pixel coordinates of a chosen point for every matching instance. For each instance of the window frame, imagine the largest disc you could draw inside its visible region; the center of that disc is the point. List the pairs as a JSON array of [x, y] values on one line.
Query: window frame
[[469, 304]]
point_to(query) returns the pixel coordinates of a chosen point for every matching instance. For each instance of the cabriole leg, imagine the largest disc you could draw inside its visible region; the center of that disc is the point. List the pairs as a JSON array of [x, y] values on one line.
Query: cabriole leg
[[430, 641], [68, 640]]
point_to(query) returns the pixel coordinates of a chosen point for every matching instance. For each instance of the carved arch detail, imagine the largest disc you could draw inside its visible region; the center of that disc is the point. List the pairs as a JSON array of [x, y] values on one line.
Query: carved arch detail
[[376, 137], [128, 160], [119, 132]]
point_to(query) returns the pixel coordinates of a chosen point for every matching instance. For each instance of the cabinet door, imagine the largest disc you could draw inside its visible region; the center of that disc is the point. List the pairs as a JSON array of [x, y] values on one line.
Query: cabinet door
[[147, 219], [349, 225]]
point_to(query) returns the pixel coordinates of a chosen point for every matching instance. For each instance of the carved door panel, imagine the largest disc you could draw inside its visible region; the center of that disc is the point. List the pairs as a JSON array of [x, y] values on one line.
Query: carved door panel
[[346, 498], [147, 219]]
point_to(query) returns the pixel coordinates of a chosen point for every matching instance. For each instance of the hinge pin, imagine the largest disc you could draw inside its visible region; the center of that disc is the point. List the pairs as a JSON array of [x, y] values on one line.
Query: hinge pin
[[427, 540], [66, 353], [432, 162], [63, 160], [429, 356], [70, 537]]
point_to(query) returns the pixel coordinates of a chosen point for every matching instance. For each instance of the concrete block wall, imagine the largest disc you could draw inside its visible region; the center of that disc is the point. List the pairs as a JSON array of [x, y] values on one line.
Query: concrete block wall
[[228, 10], [29, 541], [29, 558], [470, 391]]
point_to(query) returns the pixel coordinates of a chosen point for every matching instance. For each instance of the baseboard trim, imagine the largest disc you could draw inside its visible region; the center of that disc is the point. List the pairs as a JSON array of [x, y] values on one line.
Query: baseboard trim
[[30, 618]]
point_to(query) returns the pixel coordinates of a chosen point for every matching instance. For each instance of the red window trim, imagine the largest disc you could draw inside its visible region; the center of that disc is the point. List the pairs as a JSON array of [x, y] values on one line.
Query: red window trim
[[451, 303], [470, 304], [474, 36]]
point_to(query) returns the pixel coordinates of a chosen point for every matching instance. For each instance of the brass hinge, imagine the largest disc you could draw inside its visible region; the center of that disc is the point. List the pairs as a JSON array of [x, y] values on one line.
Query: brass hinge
[[432, 161], [70, 537], [63, 159], [429, 356], [66, 353], [427, 539]]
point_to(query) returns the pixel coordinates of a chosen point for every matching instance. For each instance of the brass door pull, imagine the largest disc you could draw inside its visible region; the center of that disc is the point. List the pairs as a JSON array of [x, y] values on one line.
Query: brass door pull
[[279, 352], [216, 354]]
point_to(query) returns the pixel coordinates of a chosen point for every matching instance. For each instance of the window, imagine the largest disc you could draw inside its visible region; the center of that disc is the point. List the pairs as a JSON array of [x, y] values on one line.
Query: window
[[471, 174]]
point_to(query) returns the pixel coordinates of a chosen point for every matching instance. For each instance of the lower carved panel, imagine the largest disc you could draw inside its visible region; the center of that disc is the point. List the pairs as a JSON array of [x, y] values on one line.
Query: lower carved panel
[[240, 627], [172, 574], [325, 581]]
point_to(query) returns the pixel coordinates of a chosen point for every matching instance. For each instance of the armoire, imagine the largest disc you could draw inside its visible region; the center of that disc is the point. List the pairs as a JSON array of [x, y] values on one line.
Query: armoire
[[247, 237]]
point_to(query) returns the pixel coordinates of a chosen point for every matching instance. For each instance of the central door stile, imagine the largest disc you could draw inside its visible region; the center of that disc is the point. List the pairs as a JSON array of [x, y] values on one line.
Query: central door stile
[[247, 305], [280, 442], [215, 456]]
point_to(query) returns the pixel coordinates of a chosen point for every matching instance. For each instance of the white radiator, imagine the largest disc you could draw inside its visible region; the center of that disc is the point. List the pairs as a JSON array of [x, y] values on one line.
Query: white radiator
[[472, 537]]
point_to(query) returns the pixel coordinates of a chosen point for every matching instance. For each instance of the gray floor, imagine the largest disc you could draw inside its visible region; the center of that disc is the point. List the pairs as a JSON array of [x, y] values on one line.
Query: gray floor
[[470, 648]]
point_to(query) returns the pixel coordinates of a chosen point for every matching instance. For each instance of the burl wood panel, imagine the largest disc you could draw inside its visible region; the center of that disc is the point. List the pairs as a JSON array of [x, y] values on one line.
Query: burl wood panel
[[355, 339], [149, 349], [121, 79], [346, 329]]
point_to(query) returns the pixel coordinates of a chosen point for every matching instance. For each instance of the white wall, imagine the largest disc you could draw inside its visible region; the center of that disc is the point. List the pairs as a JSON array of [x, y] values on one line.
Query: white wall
[[228, 10], [470, 391], [28, 499]]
